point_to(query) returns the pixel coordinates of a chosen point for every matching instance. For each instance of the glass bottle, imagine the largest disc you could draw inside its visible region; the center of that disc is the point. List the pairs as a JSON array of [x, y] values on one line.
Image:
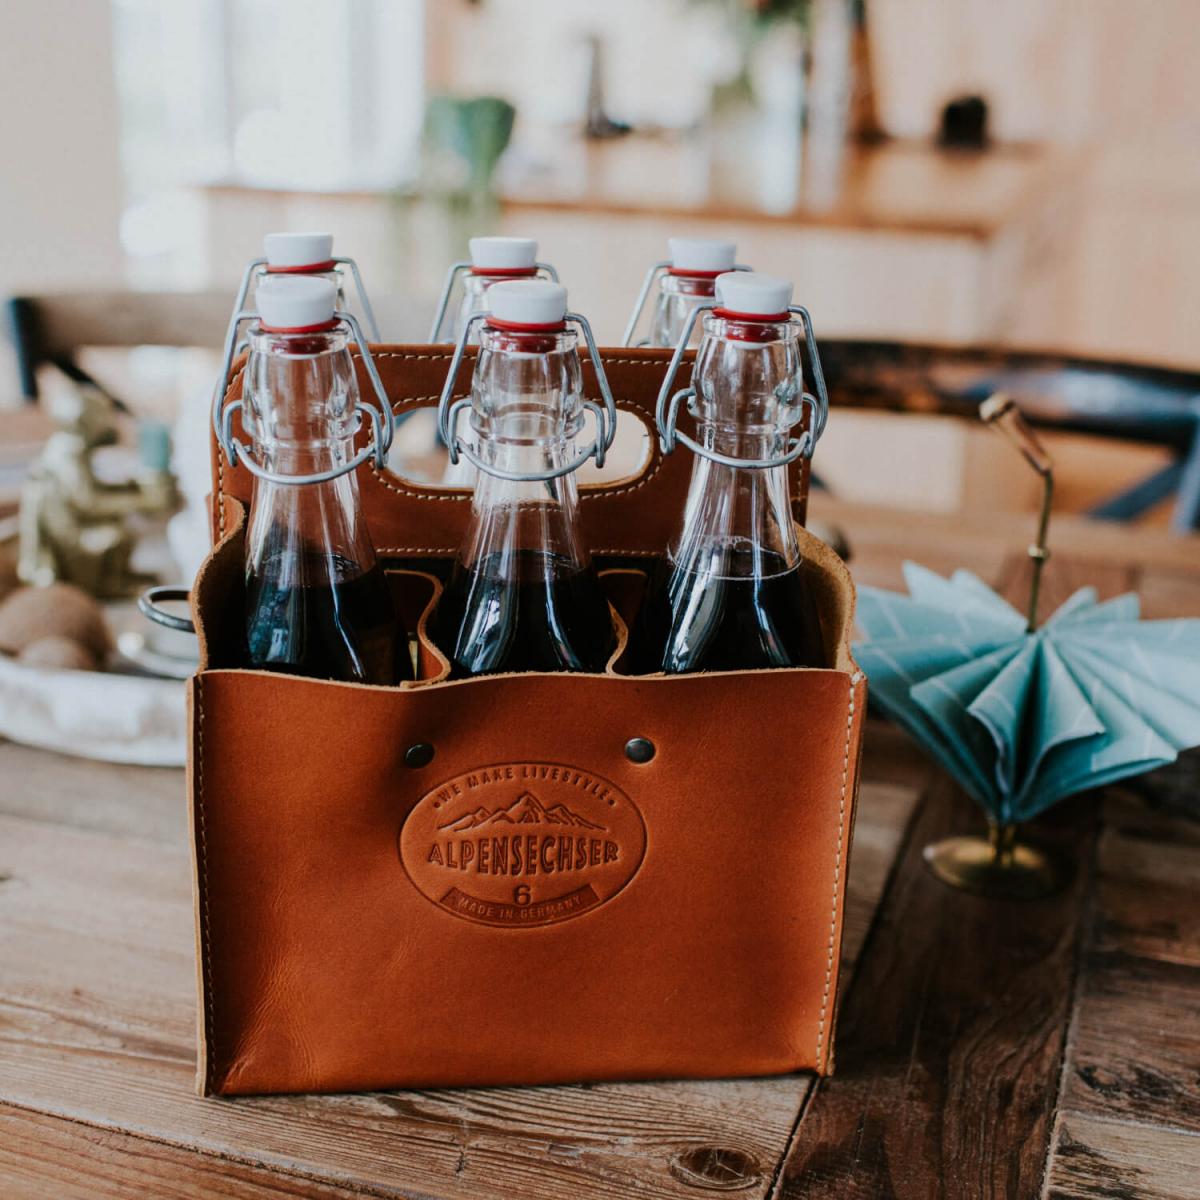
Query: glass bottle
[[493, 260], [686, 280], [317, 600], [732, 592], [523, 593]]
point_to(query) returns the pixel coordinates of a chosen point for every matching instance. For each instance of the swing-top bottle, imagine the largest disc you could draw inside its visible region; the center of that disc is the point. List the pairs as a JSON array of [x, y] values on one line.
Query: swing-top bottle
[[733, 590], [317, 601], [523, 594]]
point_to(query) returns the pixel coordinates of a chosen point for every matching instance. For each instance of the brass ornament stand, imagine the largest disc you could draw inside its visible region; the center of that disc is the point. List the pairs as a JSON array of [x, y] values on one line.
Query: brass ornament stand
[[999, 865]]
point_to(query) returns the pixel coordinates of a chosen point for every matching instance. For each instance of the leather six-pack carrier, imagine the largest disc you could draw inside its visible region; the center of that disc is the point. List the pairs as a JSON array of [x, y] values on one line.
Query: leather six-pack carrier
[[515, 879]]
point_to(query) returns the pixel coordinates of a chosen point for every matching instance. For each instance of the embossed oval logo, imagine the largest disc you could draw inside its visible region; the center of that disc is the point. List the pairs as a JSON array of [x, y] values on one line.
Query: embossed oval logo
[[522, 844]]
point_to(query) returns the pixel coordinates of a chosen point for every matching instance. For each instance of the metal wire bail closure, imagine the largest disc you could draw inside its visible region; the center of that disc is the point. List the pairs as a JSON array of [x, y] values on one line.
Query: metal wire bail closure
[[233, 347], [456, 269], [666, 409], [640, 303], [605, 418], [379, 414]]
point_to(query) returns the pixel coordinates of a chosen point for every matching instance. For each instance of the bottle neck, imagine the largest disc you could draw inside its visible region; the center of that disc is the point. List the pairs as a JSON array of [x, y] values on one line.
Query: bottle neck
[[738, 520], [299, 400], [679, 295], [526, 414], [299, 409]]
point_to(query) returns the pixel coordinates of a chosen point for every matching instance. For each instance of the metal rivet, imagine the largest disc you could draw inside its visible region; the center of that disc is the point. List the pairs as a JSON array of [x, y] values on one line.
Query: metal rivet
[[639, 750], [716, 1168], [418, 755]]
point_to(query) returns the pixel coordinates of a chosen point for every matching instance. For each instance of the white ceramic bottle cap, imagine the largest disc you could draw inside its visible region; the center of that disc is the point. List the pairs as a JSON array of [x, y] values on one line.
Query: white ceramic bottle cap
[[753, 294], [528, 302], [295, 302], [701, 254], [503, 253], [297, 249]]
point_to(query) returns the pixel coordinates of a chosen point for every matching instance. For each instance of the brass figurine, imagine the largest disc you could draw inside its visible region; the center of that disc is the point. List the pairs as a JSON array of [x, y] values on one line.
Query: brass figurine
[[74, 526]]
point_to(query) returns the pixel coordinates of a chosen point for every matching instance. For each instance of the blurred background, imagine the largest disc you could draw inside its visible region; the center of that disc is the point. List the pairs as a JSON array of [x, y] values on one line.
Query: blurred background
[[1002, 194]]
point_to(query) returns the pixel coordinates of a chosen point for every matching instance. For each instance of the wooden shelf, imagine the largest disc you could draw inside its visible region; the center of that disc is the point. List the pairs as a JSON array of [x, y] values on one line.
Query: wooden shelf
[[900, 187]]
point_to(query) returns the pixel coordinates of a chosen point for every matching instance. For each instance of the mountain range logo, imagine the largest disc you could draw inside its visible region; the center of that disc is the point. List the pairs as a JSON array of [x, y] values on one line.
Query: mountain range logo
[[481, 855], [526, 809]]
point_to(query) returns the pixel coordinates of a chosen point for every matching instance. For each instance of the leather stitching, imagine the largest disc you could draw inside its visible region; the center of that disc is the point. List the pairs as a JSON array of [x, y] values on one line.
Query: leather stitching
[[837, 879], [220, 493], [395, 485], [623, 489], [202, 865], [410, 551]]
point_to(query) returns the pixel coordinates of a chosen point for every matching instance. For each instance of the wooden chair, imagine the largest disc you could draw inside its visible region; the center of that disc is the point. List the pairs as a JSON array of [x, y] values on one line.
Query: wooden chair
[[51, 329], [1123, 401]]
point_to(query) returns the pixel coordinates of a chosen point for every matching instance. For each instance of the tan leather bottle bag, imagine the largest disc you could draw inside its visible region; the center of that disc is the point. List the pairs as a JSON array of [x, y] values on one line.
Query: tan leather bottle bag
[[476, 882]]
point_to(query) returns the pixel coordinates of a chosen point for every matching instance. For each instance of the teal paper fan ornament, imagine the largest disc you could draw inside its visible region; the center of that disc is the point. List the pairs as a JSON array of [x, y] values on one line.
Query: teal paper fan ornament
[[1023, 715], [1022, 718]]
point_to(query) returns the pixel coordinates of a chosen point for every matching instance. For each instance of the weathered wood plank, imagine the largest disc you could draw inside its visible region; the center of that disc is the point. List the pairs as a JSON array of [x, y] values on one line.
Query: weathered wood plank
[[1148, 883], [892, 758], [1122, 1162], [97, 1025], [45, 1158], [1135, 1049], [885, 810], [951, 1036], [1174, 788], [609, 1141], [144, 802]]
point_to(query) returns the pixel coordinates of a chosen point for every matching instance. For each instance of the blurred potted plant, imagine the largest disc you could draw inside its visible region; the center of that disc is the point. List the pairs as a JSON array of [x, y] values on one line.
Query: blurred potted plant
[[454, 196], [462, 143]]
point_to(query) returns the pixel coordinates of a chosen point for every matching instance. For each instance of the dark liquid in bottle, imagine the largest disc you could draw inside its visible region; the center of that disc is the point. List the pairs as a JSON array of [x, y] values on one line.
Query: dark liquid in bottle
[[533, 612], [728, 621], [343, 627]]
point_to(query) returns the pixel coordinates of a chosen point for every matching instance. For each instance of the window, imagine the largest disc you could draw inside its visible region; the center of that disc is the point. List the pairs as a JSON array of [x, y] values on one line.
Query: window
[[293, 94]]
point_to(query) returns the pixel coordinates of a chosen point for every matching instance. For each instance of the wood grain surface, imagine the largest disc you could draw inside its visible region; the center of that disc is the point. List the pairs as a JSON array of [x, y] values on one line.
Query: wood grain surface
[[1046, 1049], [1100, 1160], [951, 1035], [1129, 1121], [45, 1156], [97, 1027]]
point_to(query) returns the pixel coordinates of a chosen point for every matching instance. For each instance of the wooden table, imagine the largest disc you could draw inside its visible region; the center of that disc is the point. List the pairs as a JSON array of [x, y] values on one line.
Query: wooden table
[[986, 1049]]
